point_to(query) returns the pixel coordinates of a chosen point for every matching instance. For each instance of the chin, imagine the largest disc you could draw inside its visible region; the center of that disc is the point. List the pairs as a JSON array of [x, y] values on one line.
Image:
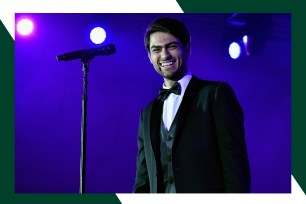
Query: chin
[[169, 75]]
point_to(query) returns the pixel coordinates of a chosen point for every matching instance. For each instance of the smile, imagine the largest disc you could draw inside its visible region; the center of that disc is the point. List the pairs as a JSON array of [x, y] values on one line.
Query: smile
[[167, 63]]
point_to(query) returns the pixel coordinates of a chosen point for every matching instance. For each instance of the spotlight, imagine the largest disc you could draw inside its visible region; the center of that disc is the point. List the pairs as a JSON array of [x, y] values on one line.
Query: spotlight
[[97, 35], [25, 27], [234, 50], [250, 31], [239, 47], [245, 39]]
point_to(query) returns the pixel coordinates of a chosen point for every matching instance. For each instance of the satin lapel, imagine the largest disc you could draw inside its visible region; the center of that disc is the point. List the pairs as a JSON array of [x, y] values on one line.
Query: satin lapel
[[155, 120], [184, 109]]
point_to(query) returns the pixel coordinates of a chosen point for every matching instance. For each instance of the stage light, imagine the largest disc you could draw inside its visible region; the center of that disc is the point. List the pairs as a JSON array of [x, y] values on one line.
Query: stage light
[[97, 35], [234, 50], [250, 31], [25, 27], [239, 47], [245, 41]]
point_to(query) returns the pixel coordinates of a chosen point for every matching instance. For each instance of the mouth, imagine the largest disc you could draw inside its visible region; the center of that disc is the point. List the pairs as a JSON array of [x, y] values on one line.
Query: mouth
[[166, 64]]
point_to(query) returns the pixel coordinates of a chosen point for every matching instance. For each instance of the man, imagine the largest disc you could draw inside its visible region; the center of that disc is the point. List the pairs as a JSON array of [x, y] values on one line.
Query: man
[[191, 137]]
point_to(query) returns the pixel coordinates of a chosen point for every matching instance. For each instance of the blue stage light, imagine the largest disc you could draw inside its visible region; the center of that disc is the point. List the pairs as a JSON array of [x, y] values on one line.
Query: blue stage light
[[25, 27], [97, 35], [234, 50], [246, 40]]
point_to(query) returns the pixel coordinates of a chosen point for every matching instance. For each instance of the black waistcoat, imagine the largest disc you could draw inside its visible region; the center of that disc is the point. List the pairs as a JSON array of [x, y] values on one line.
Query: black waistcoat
[[166, 142]]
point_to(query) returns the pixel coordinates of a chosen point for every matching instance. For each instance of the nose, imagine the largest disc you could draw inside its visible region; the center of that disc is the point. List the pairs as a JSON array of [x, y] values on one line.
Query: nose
[[165, 55]]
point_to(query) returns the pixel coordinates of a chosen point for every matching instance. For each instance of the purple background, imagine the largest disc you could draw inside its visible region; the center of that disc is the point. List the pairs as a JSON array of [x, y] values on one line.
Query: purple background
[[48, 99]]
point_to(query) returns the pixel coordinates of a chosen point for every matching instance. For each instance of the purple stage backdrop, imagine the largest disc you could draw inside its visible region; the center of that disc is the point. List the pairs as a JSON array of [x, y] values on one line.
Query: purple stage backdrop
[[48, 98]]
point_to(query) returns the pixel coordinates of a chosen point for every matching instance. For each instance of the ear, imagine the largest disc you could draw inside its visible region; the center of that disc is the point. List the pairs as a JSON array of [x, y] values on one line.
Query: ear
[[149, 55]]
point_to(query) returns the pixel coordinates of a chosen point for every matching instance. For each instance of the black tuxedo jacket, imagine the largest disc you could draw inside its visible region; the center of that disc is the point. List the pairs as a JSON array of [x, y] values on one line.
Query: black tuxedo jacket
[[209, 151]]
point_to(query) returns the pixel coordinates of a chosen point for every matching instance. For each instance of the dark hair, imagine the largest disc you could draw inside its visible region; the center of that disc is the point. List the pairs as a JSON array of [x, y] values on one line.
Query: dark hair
[[168, 25]]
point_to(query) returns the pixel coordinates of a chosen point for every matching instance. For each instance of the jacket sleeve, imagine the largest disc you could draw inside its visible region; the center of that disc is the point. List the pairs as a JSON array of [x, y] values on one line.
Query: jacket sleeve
[[229, 120], [142, 179]]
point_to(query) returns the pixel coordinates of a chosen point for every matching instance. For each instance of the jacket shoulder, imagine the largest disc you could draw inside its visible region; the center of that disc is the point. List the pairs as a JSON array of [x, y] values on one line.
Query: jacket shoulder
[[212, 83], [201, 84]]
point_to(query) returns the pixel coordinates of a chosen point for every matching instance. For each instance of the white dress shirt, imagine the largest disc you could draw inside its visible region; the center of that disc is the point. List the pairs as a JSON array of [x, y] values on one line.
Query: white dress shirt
[[173, 102]]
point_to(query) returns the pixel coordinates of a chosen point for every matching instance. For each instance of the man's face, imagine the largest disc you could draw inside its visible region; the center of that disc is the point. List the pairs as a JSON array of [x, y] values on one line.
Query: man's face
[[168, 55]]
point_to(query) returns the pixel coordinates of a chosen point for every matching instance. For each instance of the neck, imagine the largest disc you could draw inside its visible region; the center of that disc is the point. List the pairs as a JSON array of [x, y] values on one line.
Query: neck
[[169, 82]]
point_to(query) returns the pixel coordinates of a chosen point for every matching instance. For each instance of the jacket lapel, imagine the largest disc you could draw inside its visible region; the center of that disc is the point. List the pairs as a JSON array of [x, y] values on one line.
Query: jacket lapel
[[155, 120], [184, 109]]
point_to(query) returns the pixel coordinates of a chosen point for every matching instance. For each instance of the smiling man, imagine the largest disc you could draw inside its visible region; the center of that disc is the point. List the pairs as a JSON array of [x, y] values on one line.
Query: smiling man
[[191, 137]]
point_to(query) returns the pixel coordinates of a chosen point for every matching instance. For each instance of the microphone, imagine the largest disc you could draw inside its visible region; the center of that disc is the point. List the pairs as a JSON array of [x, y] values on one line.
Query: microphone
[[89, 53]]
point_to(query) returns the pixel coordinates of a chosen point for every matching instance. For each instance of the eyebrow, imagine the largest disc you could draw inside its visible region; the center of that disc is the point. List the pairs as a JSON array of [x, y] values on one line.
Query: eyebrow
[[159, 46]]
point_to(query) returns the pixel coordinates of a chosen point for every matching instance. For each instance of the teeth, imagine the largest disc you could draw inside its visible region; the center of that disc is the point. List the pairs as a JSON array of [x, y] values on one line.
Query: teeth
[[166, 63]]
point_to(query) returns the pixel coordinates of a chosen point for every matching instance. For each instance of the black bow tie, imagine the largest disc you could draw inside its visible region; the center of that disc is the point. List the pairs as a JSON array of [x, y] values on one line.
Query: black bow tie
[[164, 93]]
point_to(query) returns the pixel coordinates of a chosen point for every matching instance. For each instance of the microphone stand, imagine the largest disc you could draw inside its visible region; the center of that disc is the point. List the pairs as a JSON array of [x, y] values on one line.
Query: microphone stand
[[86, 56], [85, 61]]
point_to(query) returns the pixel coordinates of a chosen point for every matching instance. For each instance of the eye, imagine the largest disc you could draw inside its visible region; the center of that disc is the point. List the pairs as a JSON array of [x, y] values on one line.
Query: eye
[[172, 46], [156, 50]]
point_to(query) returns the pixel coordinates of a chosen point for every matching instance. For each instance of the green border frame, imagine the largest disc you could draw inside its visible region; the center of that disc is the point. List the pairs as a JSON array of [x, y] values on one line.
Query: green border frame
[[296, 8]]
